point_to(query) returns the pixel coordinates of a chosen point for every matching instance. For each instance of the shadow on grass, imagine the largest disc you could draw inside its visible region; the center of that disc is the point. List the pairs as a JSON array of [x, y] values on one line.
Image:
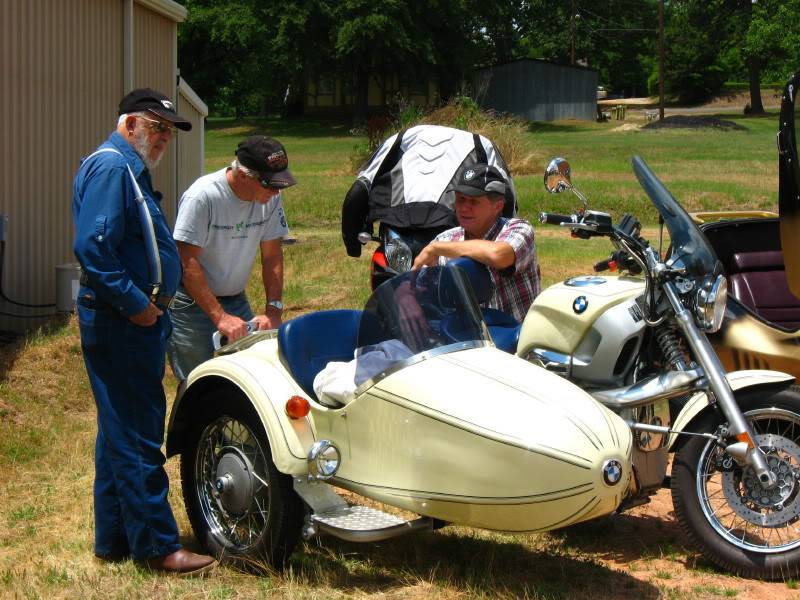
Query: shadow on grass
[[464, 564], [281, 127], [563, 126], [11, 344]]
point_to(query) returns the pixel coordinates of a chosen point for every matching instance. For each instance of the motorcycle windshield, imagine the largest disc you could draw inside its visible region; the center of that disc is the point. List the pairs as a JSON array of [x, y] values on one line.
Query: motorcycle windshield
[[414, 316], [690, 248]]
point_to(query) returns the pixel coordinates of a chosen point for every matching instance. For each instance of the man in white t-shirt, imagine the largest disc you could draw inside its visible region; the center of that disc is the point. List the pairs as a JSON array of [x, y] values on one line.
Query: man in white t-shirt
[[223, 219]]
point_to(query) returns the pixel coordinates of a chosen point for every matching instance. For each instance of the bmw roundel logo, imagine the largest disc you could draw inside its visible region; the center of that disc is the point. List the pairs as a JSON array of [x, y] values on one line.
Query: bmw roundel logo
[[612, 472], [580, 304], [469, 175]]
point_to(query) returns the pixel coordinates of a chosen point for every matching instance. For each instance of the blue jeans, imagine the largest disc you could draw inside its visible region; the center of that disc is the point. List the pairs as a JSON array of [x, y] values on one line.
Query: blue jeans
[[190, 343], [125, 364]]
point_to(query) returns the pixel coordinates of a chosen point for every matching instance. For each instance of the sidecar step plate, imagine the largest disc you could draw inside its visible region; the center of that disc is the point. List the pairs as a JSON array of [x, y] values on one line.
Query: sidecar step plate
[[362, 523], [357, 518]]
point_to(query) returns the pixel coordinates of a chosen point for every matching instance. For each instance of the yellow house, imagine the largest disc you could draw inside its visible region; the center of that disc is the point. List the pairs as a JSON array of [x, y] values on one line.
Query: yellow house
[[334, 95]]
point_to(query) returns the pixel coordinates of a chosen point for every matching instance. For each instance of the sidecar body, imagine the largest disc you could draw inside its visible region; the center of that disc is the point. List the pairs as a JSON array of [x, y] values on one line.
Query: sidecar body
[[431, 418]]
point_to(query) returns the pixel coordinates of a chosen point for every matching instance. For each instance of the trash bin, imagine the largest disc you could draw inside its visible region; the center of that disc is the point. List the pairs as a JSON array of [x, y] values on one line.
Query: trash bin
[[68, 277]]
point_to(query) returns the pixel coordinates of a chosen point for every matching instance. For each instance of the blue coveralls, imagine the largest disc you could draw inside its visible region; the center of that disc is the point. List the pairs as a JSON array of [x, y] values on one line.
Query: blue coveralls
[[125, 362]]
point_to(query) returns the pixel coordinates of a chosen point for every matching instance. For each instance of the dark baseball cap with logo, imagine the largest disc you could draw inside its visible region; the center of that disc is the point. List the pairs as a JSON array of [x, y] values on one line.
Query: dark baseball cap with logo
[[267, 157], [480, 180], [147, 100]]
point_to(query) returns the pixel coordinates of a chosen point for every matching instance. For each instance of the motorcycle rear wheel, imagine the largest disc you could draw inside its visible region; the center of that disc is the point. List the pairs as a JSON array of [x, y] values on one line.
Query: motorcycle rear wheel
[[722, 508]]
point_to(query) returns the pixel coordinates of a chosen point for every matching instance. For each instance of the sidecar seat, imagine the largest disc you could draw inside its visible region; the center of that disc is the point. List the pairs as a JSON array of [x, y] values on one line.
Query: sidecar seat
[[306, 344], [502, 326], [758, 281]]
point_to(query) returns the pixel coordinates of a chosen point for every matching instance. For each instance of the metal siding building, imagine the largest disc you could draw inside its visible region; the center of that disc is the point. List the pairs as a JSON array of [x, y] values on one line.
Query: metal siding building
[[538, 90], [63, 68]]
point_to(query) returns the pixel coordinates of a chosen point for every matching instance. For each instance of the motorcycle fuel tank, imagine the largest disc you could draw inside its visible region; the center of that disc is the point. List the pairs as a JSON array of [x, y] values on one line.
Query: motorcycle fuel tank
[[588, 327]]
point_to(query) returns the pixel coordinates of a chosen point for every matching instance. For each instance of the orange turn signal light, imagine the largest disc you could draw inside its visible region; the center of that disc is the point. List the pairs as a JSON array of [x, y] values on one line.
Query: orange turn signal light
[[613, 266], [297, 407]]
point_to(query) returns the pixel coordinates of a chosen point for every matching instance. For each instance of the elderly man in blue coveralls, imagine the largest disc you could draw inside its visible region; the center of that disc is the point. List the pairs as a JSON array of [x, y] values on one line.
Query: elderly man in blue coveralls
[[124, 325]]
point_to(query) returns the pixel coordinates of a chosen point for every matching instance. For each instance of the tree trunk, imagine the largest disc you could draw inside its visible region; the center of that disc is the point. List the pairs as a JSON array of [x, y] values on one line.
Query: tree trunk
[[360, 95], [754, 71]]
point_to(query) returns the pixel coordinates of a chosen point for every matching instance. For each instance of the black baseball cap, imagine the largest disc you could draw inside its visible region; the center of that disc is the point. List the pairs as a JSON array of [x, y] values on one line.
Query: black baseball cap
[[267, 157], [147, 100], [480, 180]]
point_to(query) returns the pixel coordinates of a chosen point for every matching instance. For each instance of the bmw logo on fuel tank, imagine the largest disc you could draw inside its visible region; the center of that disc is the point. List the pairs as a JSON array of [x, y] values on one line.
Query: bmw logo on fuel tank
[[580, 304]]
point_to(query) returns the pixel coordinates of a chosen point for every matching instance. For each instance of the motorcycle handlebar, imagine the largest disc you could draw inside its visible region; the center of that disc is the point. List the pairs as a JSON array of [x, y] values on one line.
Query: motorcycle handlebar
[[556, 219], [603, 265]]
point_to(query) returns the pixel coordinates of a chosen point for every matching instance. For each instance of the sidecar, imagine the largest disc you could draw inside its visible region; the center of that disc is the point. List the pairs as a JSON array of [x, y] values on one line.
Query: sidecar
[[760, 253], [407, 403]]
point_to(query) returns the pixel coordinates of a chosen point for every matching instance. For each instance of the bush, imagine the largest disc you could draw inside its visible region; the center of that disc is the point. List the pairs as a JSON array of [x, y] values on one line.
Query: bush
[[462, 112]]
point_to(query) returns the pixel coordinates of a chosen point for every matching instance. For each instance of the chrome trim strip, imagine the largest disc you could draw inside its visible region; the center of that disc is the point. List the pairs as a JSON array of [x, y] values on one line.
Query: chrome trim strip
[[427, 354]]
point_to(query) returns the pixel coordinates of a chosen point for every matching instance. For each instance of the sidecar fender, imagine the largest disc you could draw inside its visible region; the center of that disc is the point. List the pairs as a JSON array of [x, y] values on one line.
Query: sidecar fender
[[738, 380], [266, 387]]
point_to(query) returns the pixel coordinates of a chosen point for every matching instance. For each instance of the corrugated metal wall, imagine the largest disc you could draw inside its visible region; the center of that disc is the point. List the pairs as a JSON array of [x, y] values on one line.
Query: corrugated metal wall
[[539, 91], [153, 41], [189, 147], [60, 74]]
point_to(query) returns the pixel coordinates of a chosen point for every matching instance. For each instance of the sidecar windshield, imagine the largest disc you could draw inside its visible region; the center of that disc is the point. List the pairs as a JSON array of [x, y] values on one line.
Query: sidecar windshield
[[418, 314], [690, 248]]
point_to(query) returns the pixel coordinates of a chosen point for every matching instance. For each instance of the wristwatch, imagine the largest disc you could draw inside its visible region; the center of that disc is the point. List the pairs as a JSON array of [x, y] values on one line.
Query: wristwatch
[[276, 303]]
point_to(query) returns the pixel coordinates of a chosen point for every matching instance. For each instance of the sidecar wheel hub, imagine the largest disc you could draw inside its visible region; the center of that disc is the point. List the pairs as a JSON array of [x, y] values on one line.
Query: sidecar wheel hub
[[234, 484]]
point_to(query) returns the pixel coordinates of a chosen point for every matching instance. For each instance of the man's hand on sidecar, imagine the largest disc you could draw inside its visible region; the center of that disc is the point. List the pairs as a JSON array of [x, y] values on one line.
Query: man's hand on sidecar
[[232, 327]]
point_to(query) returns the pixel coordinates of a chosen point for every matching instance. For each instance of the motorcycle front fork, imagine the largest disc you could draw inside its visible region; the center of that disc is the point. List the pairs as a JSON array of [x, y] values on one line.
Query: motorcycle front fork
[[745, 450]]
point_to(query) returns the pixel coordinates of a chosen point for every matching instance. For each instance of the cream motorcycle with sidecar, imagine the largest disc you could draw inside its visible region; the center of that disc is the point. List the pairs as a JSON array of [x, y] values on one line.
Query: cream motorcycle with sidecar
[[637, 343], [438, 422], [441, 423]]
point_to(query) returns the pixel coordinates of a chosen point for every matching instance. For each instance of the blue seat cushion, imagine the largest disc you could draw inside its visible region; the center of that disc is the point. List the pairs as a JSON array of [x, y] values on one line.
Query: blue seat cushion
[[504, 329], [306, 344]]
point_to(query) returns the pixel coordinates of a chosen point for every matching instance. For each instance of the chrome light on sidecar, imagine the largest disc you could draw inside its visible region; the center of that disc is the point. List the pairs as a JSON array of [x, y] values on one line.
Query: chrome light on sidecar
[[710, 303], [398, 255], [323, 460]]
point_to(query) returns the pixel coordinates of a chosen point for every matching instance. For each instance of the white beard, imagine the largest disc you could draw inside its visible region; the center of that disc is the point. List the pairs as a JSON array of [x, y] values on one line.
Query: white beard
[[143, 148]]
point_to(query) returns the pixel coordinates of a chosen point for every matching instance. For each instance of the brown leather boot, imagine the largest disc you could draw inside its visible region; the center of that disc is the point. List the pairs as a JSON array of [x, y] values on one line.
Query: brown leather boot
[[182, 563]]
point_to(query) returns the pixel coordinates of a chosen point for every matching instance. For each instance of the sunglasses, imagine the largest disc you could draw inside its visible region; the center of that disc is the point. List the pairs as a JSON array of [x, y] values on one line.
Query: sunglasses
[[159, 127], [265, 184]]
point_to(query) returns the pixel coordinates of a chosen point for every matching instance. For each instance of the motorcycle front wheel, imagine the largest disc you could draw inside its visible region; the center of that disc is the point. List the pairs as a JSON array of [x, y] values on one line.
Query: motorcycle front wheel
[[242, 509], [723, 508]]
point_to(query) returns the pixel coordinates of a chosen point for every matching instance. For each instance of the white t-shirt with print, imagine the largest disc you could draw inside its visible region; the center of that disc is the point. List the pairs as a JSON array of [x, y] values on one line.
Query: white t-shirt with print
[[229, 230]]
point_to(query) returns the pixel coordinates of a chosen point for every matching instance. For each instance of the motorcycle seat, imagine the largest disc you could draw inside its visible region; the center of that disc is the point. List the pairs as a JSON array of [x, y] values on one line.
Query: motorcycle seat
[[758, 281]]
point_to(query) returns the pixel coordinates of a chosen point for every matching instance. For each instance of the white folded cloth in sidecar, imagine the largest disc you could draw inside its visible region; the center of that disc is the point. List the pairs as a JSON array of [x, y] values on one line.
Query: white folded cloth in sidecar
[[336, 384]]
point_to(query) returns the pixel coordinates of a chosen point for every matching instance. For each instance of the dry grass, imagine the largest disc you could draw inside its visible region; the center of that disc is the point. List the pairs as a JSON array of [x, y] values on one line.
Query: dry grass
[[47, 420]]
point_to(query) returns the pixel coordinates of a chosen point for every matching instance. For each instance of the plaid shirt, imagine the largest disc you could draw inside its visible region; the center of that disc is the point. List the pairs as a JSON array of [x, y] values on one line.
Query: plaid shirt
[[517, 286]]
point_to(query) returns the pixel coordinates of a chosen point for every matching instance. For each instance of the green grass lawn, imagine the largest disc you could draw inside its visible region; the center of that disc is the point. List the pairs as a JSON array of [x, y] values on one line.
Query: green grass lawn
[[47, 414]]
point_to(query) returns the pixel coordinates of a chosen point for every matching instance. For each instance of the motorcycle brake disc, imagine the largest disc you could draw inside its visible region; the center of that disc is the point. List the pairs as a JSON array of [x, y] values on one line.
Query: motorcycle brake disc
[[767, 507]]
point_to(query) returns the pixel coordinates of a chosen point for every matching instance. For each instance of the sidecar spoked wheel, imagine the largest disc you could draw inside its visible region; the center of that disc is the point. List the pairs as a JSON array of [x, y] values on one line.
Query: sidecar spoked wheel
[[738, 524], [240, 506]]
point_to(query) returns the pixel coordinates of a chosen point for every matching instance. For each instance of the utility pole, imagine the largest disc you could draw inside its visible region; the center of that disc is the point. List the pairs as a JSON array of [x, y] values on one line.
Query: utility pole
[[660, 60], [572, 32]]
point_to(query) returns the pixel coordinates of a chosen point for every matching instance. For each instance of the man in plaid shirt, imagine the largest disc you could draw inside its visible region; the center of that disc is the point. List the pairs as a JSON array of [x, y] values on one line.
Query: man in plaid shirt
[[504, 245]]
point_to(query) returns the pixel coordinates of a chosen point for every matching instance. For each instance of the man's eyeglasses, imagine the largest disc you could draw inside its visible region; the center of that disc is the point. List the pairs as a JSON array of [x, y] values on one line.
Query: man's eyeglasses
[[158, 126]]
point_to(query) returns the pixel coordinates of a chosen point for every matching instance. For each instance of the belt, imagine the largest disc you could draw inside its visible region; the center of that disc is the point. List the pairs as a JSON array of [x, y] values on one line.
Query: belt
[[162, 301]]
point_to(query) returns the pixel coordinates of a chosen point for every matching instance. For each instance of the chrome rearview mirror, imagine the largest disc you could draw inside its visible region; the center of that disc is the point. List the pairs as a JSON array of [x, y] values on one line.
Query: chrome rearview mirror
[[557, 176]]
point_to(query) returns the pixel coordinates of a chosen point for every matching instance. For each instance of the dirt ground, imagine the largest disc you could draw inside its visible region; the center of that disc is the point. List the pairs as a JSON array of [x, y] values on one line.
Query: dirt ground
[[650, 525]]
